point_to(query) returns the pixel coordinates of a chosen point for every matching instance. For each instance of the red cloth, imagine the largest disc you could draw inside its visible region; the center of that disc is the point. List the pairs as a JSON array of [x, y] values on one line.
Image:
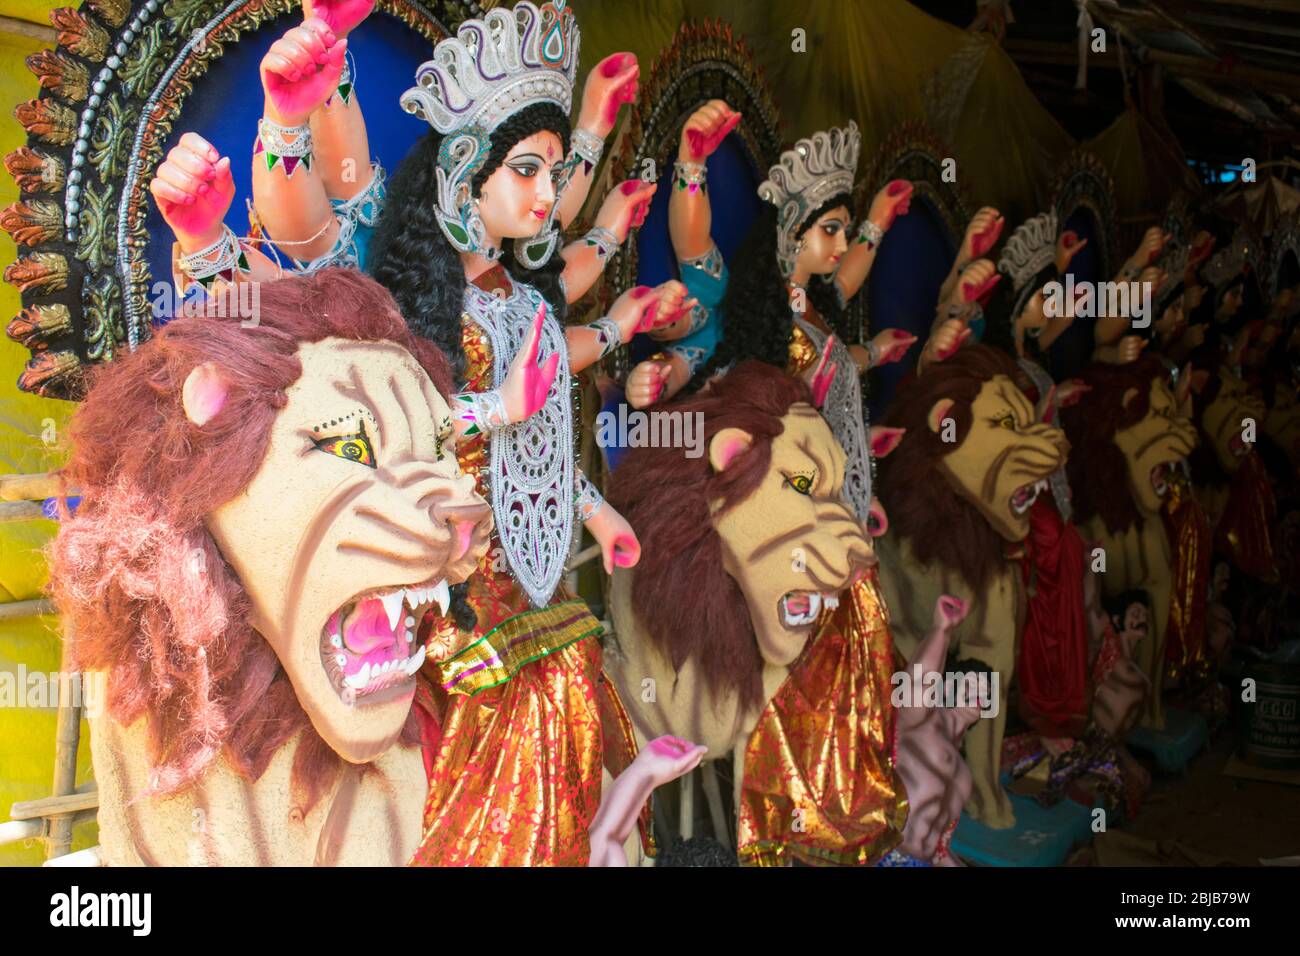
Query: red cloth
[[1052, 671], [1243, 532]]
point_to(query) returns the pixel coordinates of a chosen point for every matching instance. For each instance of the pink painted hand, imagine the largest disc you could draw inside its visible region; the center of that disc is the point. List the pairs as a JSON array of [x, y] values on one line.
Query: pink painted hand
[[894, 200], [193, 189], [704, 132], [611, 83], [978, 280], [301, 71], [646, 383], [982, 234], [670, 304], [341, 16], [891, 345], [1068, 245], [929, 760], [1130, 347], [619, 547], [625, 208], [947, 339], [661, 761], [823, 375], [527, 384], [877, 520]]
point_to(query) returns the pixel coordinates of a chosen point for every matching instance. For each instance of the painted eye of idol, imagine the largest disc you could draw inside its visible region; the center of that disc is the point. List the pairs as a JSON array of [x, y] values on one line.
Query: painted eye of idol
[[442, 440], [832, 227], [351, 442], [802, 482], [526, 165]]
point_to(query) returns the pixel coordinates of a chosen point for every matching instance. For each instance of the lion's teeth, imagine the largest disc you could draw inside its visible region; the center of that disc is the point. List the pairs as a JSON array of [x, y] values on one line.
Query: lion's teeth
[[360, 679], [442, 594], [393, 607], [412, 598], [413, 662]]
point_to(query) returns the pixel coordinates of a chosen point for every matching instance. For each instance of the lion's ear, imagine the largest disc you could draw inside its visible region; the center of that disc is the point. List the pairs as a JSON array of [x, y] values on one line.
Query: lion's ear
[[204, 393], [885, 439], [1129, 395], [728, 445], [938, 412]]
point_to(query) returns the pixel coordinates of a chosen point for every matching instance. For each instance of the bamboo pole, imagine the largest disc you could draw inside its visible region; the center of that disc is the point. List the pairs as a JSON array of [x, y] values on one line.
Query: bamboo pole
[[59, 840], [33, 608], [20, 511], [36, 487], [54, 806]]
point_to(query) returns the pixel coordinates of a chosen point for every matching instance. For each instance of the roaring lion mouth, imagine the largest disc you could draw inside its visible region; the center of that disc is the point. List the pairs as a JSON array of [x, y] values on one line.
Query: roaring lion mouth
[[368, 646], [1025, 496], [1164, 472], [801, 608]]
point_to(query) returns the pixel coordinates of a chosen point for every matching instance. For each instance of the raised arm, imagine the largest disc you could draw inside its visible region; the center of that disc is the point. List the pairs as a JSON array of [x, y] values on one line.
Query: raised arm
[[299, 72], [338, 128], [194, 189], [636, 310], [585, 259], [611, 83], [690, 217], [894, 200], [982, 234]]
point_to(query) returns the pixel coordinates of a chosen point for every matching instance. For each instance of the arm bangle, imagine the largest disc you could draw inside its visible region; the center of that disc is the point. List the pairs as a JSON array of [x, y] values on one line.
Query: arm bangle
[[482, 411], [870, 233], [692, 176], [605, 242], [587, 145], [290, 145]]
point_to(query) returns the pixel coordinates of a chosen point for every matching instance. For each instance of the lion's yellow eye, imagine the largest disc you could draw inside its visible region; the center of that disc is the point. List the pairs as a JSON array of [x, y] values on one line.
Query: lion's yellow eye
[[802, 483], [1007, 421], [355, 447]]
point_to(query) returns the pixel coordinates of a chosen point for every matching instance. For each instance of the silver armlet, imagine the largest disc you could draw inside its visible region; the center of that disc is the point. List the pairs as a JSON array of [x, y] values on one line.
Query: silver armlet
[[587, 500], [482, 411]]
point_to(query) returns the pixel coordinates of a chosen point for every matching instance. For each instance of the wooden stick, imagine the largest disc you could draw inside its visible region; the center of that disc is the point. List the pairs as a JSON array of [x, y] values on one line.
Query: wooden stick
[[30, 487], [59, 841], [713, 792], [53, 806], [686, 825], [582, 557], [20, 511], [34, 608]]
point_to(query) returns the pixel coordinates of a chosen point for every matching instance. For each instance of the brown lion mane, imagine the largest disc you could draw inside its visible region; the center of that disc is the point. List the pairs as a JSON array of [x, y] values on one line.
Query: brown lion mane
[[688, 604], [942, 526], [135, 573], [1098, 472]]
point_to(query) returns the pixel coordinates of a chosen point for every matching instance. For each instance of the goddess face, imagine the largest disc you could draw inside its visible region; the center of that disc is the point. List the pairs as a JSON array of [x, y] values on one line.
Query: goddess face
[[516, 199], [824, 243]]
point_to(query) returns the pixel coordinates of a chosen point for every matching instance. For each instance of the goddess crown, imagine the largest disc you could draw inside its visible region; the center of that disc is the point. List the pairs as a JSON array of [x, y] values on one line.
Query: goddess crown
[[1031, 248], [817, 168], [496, 66]]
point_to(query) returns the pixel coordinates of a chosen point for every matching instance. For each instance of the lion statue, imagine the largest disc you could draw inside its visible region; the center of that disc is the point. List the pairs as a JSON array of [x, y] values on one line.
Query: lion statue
[[258, 500], [1131, 440], [752, 625], [958, 492]]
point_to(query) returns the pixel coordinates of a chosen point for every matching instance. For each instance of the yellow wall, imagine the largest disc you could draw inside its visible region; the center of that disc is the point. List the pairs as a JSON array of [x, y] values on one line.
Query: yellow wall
[[26, 425]]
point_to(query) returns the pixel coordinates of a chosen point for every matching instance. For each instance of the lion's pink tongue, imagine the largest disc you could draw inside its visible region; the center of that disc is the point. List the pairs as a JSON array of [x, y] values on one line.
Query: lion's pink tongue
[[367, 627]]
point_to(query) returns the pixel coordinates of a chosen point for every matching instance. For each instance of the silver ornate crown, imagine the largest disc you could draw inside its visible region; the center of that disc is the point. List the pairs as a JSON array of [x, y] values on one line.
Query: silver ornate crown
[[496, 66], [1030, 250], [817, 168], [1226, 264]]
